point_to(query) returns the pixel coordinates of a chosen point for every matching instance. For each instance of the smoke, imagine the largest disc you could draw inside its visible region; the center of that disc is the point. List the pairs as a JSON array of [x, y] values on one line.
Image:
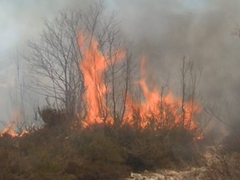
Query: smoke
[[22, 21], [165, 31], [162, 30]]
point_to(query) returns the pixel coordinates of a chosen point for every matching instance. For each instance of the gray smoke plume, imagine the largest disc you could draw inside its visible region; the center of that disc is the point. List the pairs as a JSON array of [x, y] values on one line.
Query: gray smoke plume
[[165, 31], [162, 30], [204, 31]]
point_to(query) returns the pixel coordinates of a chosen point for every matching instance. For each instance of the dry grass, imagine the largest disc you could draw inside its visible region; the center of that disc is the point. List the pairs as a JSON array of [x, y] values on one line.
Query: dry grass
[[98, 152]]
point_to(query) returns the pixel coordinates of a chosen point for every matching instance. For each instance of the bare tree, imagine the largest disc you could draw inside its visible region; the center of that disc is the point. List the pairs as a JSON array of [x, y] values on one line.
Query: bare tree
[[128, 69], [194, 80], [183, 80], [19, 98], [53, 62], [189, 78], [54, 59]]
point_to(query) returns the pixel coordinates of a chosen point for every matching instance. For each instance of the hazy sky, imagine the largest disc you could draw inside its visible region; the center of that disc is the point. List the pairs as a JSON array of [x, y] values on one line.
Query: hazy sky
[[163, 30]]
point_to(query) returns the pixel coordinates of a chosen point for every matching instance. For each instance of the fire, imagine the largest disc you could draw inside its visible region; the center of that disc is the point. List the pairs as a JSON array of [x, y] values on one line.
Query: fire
[[165, 111], [155, 109], [160, 110], [93, 66], [10, 128]]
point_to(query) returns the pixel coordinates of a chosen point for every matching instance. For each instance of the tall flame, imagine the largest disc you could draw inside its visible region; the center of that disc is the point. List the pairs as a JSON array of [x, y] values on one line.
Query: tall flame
[[156, 109], [160, 110], [93, 65]]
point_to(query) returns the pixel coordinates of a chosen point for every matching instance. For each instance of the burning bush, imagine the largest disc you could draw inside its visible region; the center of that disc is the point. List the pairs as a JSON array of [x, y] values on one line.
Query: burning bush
[[99, 151], [119, 132], [158, 131]]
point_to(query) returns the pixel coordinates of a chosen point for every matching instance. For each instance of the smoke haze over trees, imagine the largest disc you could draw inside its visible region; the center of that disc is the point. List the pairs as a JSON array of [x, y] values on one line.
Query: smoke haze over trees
[[163, 31], [111, 87]]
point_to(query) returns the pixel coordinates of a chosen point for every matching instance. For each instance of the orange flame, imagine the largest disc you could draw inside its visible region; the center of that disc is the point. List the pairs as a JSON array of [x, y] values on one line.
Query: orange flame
[[164, 110], [157, 109], [93, 66], [10, 129]]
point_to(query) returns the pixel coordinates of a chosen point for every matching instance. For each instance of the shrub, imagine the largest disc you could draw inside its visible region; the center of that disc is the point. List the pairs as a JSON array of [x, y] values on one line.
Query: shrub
[[223, 166], [97, 170], [148, 149], [52, 116], [103, 157], [232, 140], [97, 152]]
